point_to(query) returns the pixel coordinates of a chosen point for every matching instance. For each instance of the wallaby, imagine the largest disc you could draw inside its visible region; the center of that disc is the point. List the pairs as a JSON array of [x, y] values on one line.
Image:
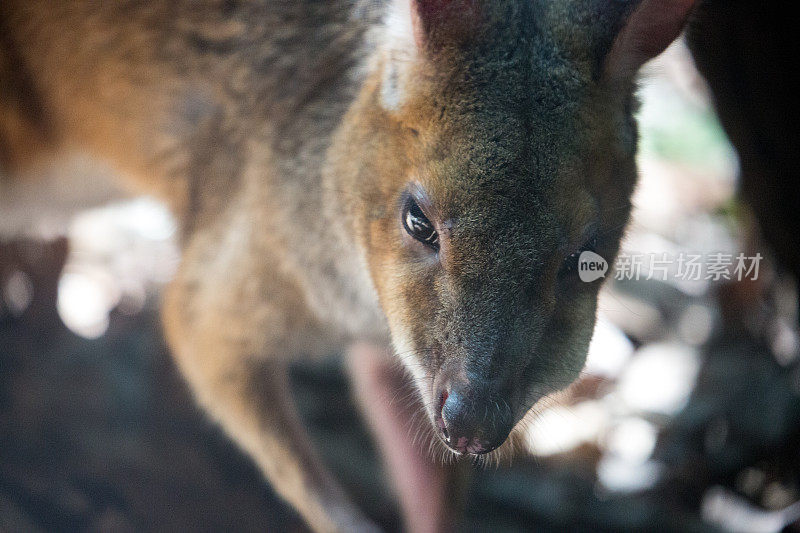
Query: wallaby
[[355, 175]]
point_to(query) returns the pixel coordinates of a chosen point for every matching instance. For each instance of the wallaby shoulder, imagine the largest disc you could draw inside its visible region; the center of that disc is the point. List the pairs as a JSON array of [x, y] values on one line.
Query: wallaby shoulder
[[216, 106], [157, 86]]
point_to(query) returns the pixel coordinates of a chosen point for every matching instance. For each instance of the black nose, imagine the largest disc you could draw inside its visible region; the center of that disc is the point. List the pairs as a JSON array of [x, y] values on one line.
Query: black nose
[[472, 421]]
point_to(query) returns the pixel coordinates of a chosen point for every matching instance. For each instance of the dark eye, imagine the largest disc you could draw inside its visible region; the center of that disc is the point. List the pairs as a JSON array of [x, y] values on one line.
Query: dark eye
[[569, 267], [418, 226]]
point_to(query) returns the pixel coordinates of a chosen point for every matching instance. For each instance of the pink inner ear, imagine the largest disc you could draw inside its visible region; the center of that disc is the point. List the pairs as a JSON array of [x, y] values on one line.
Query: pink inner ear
[[418, 16], [648, 31], [428, 9], [435, 20]]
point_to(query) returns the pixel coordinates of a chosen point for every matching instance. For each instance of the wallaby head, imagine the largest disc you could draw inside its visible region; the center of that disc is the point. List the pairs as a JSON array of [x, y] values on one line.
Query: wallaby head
[[493, 143]]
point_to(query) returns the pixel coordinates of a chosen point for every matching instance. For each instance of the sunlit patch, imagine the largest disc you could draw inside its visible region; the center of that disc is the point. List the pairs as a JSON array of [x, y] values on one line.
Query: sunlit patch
[[785, 342], [733, 513], [696, 324], [660, 378], [618, 475], [609, 351], [18, 293], [626, 465], [560, 429], [632, 439], [84, 304], [117, 255]]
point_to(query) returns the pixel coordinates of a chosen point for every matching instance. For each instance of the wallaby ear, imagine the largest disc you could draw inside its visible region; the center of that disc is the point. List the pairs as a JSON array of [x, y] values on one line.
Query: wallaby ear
[[436, 22], [649, 29]]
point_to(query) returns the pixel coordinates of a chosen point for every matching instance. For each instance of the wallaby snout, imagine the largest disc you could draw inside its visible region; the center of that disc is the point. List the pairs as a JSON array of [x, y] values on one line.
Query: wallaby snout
[[472, 417]]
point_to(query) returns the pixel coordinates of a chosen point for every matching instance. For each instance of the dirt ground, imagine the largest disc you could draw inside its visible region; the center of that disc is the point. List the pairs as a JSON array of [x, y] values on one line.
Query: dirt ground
[[102, 435]]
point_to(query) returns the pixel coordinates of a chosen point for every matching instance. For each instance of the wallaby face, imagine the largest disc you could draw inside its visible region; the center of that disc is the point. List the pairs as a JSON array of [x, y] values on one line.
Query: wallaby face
[[459, 171], [490, 155]]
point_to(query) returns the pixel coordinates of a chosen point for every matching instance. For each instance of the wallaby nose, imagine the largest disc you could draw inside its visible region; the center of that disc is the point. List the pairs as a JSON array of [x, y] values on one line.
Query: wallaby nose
[[471, 421]]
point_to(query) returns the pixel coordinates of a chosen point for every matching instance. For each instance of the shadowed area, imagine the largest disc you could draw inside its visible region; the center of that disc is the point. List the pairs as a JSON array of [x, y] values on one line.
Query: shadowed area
[[102, 435]]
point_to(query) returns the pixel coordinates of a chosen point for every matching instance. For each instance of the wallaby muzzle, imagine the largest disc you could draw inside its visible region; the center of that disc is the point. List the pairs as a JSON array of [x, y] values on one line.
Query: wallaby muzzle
[[473, 414]]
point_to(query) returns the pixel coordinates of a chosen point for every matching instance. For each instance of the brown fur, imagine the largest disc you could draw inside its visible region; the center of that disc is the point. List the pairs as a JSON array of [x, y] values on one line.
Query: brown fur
[[284, 135]]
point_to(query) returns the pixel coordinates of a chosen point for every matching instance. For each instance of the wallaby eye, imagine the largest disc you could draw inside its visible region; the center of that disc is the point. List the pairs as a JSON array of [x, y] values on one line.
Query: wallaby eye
[[570, 264], [418, 226]]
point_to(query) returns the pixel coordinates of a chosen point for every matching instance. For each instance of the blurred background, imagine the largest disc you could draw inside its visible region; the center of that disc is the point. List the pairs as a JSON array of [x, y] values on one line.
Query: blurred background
[[687, 417]]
